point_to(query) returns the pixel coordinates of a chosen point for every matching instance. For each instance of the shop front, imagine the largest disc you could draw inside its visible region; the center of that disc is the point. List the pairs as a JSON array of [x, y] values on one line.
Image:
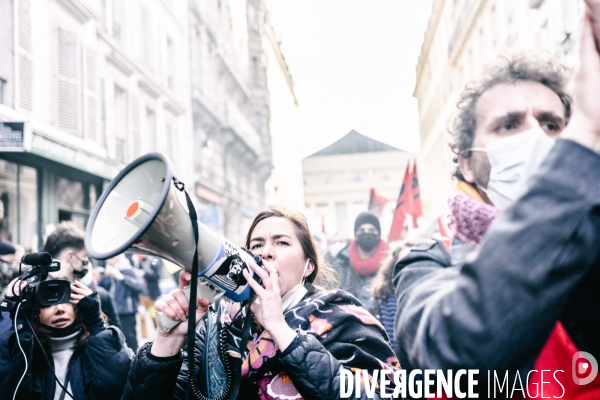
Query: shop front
[[44, 181]]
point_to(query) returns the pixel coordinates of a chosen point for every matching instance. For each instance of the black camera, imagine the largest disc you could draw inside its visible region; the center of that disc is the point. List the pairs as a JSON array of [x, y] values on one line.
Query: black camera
[[40, 292]]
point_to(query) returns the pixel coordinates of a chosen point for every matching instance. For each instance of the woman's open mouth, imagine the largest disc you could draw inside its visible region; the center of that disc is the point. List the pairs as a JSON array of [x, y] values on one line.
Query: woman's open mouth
[[61, 322]]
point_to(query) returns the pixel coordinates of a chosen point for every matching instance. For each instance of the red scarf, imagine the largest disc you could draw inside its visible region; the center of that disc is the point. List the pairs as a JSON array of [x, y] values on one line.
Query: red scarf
[[368, 265]]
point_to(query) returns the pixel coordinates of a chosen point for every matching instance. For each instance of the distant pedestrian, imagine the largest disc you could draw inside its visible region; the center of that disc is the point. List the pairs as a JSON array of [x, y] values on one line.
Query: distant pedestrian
[[358, 263], [7, 263], [152, 267], [121, 280]]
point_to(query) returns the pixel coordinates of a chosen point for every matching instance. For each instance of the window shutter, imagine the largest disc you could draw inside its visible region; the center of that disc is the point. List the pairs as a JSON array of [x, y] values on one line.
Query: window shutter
[[68, 82], [25, 66], [118, 19], [151, 129], [121, 123], [169, 142], [91, 94], [146, 37], [135, 115], [92, 117]]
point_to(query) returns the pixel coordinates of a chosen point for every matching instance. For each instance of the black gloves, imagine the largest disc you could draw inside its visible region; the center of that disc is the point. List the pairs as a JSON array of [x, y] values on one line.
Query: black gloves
[[89, 310]]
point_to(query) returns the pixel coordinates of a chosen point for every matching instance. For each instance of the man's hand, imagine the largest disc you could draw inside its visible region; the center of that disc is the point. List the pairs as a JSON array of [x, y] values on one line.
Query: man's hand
[[593, 8], [113, 272], [584, 127]]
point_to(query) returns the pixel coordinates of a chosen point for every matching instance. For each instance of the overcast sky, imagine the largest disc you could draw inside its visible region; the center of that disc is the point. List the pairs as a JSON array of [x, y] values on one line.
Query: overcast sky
[[353, 65]]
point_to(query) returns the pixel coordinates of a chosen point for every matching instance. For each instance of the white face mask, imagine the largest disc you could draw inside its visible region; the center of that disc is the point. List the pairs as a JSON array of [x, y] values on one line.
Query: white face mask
[[513, 161], [296, 293]]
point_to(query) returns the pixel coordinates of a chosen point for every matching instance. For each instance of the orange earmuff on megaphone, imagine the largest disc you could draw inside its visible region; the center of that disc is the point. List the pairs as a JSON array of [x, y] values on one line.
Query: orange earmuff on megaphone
[[144, 210]]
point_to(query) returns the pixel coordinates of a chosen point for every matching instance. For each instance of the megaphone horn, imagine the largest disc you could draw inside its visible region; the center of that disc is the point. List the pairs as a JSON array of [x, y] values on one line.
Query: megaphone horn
[[144, 210]]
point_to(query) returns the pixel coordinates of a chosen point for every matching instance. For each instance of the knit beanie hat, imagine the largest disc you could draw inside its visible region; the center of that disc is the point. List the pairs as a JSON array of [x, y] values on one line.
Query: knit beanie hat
[[7, 247], [367, 218]]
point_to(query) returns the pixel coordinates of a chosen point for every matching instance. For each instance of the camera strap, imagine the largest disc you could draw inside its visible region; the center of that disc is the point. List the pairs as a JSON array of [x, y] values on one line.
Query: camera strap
[[66, 383]]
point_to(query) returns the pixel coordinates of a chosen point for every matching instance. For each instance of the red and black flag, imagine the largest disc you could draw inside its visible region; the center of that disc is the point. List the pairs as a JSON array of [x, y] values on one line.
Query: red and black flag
[[403, 206], [376, 203]]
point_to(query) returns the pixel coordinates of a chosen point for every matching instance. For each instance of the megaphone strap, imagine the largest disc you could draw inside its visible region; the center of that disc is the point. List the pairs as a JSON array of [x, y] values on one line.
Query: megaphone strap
[[191, 335]]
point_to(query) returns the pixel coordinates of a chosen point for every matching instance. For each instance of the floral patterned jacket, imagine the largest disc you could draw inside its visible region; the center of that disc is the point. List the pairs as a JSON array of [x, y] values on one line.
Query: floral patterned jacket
[[334, 333]]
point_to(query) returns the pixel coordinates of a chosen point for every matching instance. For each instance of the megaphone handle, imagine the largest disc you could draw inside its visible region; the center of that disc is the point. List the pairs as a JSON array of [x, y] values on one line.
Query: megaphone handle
[[165, 323]]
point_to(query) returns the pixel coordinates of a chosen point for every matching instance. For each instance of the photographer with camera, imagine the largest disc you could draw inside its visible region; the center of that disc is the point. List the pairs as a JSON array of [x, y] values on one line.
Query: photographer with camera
[[63, 349], [66, 244]]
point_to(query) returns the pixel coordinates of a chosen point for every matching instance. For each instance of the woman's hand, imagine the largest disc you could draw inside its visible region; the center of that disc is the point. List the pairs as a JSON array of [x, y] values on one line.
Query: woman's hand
[[11, 290], [175, 305], [79, 291], [268, 310]]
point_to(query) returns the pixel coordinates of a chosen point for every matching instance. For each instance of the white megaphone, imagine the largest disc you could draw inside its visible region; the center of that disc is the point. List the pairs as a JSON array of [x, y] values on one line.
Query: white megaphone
[[144, 210]]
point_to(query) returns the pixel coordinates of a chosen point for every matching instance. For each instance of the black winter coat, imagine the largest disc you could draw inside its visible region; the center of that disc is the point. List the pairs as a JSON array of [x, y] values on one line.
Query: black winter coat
[[351, 281], [312, 368], [98, 367]]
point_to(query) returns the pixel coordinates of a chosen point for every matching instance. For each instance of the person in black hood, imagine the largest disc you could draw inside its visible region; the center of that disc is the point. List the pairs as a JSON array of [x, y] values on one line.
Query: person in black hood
[[358, 263]]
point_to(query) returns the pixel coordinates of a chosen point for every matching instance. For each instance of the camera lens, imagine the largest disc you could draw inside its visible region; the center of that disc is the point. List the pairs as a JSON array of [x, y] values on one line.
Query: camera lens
[[53, 292]]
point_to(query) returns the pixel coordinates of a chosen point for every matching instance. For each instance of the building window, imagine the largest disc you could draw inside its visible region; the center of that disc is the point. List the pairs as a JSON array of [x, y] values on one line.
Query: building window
[[255, 70], [2, 85], [151, 129], [136, 142], [73, 202], [146, 37], [91, 83], [197, 61], [172, 138], [121, 123], [170, 65], [19, 204], [118, 20]]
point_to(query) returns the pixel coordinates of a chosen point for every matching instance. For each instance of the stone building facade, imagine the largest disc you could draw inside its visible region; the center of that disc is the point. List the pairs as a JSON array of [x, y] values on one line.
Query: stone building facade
[[86, 86]]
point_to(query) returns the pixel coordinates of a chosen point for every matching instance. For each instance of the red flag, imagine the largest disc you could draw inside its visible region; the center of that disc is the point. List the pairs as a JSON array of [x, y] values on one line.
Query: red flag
[[403, 206], [417, 210], [376, 203]]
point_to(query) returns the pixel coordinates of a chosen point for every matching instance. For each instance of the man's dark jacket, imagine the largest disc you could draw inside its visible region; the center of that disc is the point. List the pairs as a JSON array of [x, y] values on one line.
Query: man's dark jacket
[[538, 264]]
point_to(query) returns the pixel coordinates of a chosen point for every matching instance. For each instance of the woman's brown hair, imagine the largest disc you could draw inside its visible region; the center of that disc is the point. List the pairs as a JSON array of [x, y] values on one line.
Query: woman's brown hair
[[323, 276]]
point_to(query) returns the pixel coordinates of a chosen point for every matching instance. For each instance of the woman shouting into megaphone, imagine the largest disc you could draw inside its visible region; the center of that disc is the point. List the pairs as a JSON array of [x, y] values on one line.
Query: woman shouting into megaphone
[[300, 336]]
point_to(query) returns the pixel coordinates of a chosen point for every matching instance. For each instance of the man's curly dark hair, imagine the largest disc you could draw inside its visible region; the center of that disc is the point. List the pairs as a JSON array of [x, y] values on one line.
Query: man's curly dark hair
[[543, 70]]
